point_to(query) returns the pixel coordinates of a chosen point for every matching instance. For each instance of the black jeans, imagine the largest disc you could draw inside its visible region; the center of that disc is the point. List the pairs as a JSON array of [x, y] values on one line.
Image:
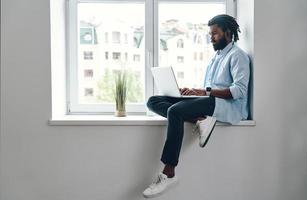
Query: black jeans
[[177, 110]]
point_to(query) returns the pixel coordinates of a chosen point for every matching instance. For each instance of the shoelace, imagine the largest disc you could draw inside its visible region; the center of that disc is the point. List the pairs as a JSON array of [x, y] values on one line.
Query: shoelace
[[159, 180], [195, 129]]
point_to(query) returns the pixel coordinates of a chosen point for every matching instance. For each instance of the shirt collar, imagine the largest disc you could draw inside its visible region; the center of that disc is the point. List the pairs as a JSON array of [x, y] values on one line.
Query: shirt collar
[[224, 51]]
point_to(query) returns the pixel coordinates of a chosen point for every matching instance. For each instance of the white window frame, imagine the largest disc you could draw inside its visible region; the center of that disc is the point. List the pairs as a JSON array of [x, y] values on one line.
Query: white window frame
[[151, 53]]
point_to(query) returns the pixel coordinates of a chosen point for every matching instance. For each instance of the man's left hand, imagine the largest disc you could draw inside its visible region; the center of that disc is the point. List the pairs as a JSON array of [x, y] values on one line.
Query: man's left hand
[[199, 92], [194, 91]]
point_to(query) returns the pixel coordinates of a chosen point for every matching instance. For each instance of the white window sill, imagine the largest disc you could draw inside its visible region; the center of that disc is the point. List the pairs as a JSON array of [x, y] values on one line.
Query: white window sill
[[109, 120]]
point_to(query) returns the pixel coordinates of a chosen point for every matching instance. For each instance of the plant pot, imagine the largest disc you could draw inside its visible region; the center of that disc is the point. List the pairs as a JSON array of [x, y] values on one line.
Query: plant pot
[[120, 113]]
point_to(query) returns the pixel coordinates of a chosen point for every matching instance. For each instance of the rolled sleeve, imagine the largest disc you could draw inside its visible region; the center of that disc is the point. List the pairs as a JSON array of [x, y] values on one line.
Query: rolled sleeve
[[235, 92], [240, 73]]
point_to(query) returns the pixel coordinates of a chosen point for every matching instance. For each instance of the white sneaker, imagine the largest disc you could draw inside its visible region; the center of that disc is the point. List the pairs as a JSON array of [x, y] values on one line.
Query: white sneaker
[[204, 129], [160, 185]]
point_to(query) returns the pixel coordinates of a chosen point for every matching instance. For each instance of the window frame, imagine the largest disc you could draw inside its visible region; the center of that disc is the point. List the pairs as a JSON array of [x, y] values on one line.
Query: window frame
[[151, 53]]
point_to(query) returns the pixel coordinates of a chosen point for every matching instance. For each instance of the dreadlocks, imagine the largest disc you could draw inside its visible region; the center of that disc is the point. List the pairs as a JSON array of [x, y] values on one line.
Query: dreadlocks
[[226, 22]]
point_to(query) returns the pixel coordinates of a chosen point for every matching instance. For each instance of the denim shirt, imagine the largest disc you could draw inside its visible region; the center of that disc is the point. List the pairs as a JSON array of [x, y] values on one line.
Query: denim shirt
[[230, 68]]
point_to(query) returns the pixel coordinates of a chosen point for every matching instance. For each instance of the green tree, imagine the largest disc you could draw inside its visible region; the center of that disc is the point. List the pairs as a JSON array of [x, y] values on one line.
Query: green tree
[[105, 87], [135, 89]]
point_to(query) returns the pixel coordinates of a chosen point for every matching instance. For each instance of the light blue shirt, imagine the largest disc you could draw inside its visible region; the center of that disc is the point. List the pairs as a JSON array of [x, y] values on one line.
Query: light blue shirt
[[230, 68]]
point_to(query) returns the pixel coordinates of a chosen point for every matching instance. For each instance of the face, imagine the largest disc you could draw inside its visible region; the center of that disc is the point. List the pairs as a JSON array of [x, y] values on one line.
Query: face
[[219, 39]]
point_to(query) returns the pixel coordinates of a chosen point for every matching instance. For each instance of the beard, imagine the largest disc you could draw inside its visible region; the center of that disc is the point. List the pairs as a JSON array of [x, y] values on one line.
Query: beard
[[220, 44]]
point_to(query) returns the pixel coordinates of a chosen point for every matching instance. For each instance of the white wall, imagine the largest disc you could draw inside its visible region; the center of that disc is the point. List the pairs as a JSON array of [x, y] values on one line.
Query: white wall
[[268, 161]]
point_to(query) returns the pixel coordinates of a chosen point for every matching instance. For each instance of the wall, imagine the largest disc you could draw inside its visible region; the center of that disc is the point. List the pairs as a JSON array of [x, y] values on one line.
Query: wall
[[38, 161], [245, 18]]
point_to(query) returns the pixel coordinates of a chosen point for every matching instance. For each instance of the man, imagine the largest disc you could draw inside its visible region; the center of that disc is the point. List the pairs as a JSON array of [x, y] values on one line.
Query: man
[[225, 99]]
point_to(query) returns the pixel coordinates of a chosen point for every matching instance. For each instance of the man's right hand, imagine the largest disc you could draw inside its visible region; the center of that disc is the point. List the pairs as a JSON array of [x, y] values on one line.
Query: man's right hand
[[183, 90]]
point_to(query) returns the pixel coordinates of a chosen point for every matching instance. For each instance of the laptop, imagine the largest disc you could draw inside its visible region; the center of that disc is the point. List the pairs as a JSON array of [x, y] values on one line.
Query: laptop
[[166, 82]]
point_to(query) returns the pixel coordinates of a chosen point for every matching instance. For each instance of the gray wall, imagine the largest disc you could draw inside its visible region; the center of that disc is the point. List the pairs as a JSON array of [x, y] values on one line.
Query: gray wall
[[268, 161]]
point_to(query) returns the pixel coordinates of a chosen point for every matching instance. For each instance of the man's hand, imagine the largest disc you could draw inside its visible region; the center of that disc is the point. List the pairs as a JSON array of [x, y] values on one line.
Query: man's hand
[[192, 91], [183, 91], [199, 92]]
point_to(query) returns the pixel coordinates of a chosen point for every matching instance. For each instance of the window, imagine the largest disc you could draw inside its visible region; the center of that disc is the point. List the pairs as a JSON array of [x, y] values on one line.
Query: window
[[180, 75], [201, 56], [88, 55], [156, 33], [136, 58], [116, 56], [88, 73], [106, 37], [88, 92], [116, 37], [180, 43], [199, 40], [126, 38], [180, 59]]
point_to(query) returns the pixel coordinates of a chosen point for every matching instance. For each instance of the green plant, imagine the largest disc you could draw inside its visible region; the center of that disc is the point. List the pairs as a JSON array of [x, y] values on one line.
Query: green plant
[[121, 90], [106, 87]]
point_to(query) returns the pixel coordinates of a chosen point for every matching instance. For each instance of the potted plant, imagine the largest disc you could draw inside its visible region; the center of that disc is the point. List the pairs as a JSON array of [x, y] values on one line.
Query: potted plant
[[120, 93]]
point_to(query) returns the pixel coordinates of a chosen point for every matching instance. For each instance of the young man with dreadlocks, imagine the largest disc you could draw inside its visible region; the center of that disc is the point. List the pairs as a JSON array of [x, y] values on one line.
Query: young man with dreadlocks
[[225, 99]]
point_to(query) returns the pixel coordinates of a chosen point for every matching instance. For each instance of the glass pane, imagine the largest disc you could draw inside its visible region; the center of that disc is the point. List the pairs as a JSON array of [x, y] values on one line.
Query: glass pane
[[184, 42], [111, 38]]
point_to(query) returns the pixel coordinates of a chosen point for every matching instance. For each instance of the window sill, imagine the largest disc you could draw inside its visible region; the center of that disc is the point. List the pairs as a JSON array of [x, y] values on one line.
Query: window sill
[[109, 120]]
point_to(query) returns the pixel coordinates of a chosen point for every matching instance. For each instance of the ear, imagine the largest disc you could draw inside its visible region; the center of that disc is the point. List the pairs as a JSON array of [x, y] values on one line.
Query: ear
[[228, 35]]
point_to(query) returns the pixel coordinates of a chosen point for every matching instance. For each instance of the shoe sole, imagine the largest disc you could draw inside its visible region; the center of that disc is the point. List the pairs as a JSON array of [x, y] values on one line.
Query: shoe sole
[[202, 146], [168, 188]]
